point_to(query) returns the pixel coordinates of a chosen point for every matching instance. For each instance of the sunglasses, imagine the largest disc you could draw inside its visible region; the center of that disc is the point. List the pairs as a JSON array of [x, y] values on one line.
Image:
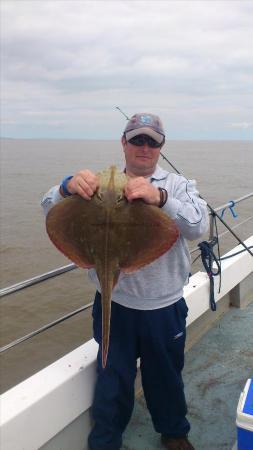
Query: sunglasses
[[143, 139]]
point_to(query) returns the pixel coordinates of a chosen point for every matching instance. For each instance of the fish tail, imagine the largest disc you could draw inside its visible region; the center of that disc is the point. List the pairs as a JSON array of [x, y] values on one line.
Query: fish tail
[[106, 318], [108, 279], [106, 283]]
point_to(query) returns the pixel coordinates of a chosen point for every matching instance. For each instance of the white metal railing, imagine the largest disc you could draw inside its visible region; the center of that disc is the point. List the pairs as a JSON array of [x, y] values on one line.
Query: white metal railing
[[63, 391]]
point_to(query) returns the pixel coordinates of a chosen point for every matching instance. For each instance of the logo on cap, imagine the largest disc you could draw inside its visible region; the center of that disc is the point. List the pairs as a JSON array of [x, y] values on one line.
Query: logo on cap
[[146, 120]]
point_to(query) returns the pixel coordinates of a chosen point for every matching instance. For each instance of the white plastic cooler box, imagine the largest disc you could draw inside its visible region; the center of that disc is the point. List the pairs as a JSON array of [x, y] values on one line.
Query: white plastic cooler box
[[244, 419]]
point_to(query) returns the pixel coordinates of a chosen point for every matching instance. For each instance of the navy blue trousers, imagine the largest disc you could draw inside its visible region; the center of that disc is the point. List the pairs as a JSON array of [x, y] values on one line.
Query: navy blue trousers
[[158, 338]]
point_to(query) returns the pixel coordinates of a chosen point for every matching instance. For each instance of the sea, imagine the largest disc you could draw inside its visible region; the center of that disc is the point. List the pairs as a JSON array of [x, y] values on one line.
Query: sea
[[223, 170]]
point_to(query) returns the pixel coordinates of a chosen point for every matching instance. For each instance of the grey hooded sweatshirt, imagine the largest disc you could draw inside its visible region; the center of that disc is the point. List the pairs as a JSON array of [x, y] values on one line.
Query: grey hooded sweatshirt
[[160, 283]]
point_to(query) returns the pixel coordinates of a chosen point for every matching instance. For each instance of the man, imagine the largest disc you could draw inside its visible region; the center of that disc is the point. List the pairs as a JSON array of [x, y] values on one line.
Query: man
[[148, 309]]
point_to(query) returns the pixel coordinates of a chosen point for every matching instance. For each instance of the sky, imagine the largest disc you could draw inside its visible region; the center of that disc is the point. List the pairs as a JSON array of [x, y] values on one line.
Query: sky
[[66, 66]]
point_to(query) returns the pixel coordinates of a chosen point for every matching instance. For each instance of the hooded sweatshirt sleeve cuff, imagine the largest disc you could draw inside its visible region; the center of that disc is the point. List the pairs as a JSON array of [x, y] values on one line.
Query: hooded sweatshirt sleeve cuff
[[172, 207], [51, 198]]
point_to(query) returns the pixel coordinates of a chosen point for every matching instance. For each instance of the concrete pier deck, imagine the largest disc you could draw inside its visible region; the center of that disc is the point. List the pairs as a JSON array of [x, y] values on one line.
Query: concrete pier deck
[[216, 370]]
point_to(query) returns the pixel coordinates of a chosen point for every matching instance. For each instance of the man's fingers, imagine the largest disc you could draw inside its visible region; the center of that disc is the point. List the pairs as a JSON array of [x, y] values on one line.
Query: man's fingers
[[132, 194], [84, 183], [141, 188], [84, 189]]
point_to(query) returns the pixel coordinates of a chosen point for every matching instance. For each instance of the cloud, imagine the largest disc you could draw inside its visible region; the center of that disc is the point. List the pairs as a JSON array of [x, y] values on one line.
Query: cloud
[[242, 125], [182, 59]]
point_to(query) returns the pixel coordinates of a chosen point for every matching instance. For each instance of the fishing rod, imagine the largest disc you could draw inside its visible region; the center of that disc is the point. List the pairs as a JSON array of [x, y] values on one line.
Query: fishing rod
[[213, 212]]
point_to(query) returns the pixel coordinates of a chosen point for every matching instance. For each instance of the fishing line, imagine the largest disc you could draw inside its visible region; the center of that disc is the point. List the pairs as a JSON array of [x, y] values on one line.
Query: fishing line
[[122, 112]]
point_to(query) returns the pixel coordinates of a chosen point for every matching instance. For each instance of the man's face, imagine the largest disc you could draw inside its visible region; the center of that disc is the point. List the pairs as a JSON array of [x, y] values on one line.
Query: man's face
[[140, 160]]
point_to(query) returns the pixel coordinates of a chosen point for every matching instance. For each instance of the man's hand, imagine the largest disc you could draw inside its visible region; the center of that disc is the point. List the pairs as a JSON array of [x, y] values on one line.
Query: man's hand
[[84, 183], [140, 187]]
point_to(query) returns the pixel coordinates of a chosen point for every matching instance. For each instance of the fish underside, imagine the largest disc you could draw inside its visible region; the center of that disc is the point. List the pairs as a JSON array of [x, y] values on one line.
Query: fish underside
[[110, 234]]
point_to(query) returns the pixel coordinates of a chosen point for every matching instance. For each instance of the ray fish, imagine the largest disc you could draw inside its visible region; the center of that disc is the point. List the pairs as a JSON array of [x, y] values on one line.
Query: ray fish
[[110, 234]]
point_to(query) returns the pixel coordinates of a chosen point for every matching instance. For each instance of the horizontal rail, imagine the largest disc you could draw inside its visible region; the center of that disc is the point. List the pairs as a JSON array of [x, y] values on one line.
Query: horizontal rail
[[44, 328], [61, 270], [38, 279], [226, 232], [235, 202]]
